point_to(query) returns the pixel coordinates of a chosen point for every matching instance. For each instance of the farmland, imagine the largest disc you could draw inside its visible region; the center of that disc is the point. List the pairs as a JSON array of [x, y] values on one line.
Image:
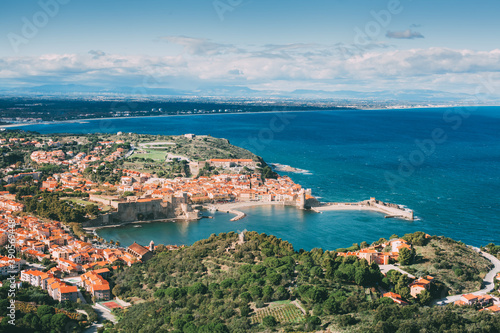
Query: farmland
[[282, 311]]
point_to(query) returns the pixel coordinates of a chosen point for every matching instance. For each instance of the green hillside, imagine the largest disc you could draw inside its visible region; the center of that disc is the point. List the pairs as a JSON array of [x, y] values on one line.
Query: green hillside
[[217, 285]]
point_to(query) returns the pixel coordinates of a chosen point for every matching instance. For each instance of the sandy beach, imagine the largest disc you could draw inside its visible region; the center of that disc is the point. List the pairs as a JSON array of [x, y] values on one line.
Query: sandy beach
[[233, 207]]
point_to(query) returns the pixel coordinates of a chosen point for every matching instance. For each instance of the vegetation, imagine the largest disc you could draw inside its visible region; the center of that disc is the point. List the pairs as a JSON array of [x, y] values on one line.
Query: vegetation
[[68, 109], [36, 311], [459, 268], [492, 249], [216, 285]]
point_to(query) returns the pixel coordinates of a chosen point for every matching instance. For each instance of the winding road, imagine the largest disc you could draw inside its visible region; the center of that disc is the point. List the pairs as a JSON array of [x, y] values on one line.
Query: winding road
[[488, 281]]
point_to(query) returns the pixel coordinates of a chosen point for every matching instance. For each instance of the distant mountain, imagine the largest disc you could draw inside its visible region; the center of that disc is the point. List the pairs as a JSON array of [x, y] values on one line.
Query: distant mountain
[[229, 91], [417, 95], [224, 91]]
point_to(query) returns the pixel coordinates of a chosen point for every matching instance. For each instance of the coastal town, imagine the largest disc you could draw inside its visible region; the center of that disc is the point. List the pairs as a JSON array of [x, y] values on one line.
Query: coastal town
[[71, 263]]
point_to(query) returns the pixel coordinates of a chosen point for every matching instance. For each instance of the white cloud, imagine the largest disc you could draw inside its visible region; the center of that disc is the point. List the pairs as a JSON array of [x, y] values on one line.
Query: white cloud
[[200, 46], [407, 34], [282, 67]]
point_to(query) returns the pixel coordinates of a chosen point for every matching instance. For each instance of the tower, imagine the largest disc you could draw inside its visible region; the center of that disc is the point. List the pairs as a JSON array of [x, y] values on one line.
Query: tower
[[151, 246]]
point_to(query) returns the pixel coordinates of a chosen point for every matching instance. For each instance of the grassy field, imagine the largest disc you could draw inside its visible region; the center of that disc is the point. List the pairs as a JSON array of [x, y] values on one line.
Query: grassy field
[[197, 149], [104, 208], [155, 154], [78, 201]]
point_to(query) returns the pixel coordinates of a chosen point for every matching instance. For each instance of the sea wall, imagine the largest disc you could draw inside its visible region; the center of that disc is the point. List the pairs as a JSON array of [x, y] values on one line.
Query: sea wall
[[391, 210]]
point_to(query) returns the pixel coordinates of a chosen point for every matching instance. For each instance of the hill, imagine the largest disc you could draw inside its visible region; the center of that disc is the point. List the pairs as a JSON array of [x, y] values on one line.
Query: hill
[[224, 285], [456, 265]]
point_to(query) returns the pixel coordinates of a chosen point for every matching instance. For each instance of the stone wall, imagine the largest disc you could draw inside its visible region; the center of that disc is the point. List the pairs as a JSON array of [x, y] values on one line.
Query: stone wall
[[145, 210]]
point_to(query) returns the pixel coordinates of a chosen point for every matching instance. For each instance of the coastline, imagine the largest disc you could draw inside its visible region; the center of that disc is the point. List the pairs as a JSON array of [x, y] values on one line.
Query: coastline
[[232, 208], [238, 113], [159, 116], [228, 208], [93, 229]]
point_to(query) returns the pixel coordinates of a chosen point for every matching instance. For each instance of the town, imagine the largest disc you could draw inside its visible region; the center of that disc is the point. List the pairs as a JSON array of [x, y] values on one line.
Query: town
[[72, 264]]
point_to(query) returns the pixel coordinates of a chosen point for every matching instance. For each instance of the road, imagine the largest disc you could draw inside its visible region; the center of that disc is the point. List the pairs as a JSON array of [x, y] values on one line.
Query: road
[[130, 152], [385, 268], [103, 315], [488, 281]]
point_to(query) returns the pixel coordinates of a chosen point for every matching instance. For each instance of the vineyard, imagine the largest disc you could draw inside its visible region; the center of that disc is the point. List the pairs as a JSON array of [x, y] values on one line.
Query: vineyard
[[282, 312]]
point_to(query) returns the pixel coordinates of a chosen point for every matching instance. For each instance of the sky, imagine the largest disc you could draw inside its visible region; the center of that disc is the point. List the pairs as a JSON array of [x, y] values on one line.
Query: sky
[[279, 45]]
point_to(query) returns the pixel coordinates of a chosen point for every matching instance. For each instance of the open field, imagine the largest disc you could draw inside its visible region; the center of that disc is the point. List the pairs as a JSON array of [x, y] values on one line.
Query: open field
[[157, 155], [104, 208]]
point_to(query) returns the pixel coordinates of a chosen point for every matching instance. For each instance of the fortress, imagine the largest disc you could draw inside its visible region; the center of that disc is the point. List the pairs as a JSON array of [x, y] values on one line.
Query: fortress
[[135, 209]]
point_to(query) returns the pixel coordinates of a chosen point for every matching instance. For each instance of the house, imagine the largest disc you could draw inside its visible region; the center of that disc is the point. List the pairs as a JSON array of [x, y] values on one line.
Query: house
[[494, 309], [3, 238], [419, 285], [140, 252], [470, 299], [68, 266], [68, 293], [96, 285], [398, 244], [396, 298]]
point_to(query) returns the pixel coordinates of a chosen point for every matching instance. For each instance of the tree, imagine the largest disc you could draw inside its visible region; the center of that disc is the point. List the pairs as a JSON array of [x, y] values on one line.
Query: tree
[[405, 256], [312, 323], [244, 310], [44, 310], [117, 290], [58, 321], [269, 321], [275, 278], [424, 297]]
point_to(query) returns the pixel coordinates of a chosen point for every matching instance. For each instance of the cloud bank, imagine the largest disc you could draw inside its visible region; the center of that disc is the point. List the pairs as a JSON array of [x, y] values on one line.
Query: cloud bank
[[274, 67]]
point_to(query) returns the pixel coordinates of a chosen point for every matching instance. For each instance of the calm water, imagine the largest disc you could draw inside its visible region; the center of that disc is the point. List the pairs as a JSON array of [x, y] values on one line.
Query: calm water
[[452, 185]]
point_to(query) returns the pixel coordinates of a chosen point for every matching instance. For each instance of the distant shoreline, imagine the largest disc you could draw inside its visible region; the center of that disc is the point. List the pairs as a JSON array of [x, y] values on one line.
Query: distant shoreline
[[160, 116], [71, 121]]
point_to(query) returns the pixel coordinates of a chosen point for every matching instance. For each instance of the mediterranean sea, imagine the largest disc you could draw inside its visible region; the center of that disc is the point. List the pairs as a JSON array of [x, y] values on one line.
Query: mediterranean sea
[[444, 163]]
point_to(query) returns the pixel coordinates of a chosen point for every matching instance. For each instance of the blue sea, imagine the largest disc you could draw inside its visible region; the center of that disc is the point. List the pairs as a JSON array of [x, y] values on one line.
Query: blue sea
[[444, 163]]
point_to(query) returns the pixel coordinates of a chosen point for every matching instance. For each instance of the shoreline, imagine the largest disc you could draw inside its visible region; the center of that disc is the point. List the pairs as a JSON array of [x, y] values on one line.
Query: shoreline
[[232, 208], [158, 116], [171, 220], [237, 113], [228, 208]]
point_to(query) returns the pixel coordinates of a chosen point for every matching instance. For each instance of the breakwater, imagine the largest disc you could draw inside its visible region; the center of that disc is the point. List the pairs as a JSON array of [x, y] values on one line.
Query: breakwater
[[391, 210]]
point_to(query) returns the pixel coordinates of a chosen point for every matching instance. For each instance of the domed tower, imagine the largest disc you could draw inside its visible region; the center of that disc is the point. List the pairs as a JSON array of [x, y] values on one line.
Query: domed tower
[[151, 246]]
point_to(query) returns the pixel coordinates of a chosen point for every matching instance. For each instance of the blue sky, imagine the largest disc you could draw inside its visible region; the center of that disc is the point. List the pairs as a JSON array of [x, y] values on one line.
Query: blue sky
[[278, 45]]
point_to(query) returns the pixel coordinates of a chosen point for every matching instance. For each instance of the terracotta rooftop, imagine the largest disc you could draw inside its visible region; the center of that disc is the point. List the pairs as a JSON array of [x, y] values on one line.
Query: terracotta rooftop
[[139, 249]]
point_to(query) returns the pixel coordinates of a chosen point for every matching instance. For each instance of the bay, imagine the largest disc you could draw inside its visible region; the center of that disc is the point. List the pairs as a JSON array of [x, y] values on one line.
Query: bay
[[452, 183]]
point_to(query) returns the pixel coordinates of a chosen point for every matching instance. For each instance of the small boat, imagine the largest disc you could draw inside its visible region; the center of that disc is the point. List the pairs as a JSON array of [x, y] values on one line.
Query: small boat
[[138, 226]]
